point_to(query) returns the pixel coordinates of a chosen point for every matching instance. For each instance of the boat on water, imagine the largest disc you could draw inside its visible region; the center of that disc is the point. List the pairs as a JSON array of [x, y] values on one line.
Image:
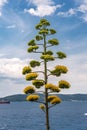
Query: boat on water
[[4, 102]]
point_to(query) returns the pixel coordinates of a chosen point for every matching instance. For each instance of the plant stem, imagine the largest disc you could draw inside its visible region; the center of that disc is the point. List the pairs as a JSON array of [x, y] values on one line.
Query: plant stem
[[46, 91]]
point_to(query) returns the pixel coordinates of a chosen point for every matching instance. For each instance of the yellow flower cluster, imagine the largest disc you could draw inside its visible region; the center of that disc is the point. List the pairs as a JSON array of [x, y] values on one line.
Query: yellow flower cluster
[[61, 68], [53, 41], [47, 57], [29, 89], [38, 83], [53, 99], [64, 84], [61, 55], [32, 97], [42, 106], [31, 43], [52, 87], [26, 70], [32, 48], [31, 76]]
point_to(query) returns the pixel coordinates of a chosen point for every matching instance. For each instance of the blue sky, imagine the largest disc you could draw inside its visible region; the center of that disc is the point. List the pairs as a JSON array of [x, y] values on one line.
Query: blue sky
[[17, 26]]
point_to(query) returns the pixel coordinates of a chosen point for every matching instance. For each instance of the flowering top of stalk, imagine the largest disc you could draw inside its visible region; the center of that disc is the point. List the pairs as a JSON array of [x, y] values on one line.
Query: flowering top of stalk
[[43, 22]]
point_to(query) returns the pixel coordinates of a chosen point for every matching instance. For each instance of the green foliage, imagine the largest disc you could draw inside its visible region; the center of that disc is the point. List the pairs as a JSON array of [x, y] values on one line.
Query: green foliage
[[38, 83], [32, 48], [34, 63], [53, 42], [47, 57], [64, 84], [61, 55], [26, 70]]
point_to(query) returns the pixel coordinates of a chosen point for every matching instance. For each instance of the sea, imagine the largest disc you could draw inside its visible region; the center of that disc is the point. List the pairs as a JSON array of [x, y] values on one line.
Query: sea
[[69, 115]]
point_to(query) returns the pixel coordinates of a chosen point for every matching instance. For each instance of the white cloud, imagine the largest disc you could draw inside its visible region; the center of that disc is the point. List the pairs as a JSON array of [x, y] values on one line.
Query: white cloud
[[43, 8], [80, 1], [2, 3], [11, 26], [68, 13], [42, 11], [81, 7], [11, 67], [40, 2], [77, 73], [14, 20]]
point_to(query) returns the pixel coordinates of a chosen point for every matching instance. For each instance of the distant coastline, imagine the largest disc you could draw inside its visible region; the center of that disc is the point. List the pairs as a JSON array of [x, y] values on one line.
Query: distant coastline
[[64, 97]]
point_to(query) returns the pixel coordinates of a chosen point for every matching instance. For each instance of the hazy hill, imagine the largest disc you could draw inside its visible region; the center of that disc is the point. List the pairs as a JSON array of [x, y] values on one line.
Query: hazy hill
[[66, 97]]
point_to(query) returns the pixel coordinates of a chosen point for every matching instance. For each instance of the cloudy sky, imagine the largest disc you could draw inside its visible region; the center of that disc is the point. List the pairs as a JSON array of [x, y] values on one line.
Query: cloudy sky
[[17, 26]]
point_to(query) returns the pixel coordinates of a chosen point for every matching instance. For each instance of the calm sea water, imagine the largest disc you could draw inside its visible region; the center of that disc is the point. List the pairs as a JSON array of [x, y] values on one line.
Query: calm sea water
[[27, 116]]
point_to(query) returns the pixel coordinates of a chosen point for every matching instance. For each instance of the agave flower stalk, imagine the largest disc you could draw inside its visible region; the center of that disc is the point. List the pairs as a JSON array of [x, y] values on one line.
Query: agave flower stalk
[[32, 74]]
